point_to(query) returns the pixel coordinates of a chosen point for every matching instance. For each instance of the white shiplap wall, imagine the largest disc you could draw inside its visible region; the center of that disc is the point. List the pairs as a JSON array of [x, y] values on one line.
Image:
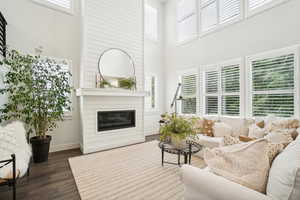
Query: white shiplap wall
[[110, 24]]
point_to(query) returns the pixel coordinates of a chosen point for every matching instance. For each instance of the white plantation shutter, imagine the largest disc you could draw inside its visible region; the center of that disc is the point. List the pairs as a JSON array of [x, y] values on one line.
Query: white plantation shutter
[[229, 9], [62, 3], [151, 22], [230, 83], [253, 4], [209, 16], [273, 86], [188, 92], [212, 91], [186, 20]]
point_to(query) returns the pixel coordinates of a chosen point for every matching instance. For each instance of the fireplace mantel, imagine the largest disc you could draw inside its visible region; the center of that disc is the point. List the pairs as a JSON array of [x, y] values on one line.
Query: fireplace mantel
[[109, 92]]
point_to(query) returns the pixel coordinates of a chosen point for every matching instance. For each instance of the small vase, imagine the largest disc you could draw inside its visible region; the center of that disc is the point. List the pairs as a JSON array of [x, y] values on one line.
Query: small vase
[[178, 143]]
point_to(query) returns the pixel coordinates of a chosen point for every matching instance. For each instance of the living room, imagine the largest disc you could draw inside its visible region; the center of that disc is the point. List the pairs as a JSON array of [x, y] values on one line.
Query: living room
[[153, 99]]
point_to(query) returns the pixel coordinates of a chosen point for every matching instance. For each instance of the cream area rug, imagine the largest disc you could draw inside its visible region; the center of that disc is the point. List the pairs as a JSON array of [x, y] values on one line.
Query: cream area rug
[[129, 173]]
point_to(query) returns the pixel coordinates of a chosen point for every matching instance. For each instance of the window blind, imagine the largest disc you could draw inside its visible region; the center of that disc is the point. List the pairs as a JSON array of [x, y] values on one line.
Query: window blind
[[188, 92], [151, 22], [230, 83], [62, 3], [229, 9], [253, 4], [211, 90], [273, 86]]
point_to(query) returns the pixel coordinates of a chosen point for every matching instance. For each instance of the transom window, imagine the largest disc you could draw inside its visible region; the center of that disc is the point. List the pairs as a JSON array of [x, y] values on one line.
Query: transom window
[[151, 23], [256, 6], [61, 5]]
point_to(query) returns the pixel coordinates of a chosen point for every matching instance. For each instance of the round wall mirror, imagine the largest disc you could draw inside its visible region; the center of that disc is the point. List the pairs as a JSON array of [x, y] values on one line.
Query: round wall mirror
[[117, 69]]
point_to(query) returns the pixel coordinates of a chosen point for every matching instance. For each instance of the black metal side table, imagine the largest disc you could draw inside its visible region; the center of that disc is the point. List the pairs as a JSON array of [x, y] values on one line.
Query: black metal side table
[[187, 151]]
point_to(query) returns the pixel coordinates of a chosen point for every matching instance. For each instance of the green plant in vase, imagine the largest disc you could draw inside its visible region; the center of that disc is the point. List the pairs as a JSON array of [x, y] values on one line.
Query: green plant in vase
[[178, 129], [127, 83], [38, 92]]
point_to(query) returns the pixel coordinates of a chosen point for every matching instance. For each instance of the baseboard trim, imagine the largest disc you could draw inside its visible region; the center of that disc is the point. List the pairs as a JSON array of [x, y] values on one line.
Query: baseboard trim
[[63, 147]]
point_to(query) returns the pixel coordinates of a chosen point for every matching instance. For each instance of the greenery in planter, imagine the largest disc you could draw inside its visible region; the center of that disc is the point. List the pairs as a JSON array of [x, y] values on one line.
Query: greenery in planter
[[127, 83], [38, 91], [178, 127]]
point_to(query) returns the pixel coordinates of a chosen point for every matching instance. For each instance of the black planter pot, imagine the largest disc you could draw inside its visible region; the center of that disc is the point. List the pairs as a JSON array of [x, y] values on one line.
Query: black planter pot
[[40, 148]]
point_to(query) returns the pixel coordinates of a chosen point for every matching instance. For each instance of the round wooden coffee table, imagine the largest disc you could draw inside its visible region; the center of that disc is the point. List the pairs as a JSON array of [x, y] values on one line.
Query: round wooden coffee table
[[187, 151]]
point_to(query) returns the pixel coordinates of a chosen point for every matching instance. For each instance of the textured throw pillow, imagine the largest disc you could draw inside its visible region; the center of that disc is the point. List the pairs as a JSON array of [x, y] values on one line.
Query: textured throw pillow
[[274, 150], [208, 127], [284, 176], [261, 124], [230, 140], [221, 129], [245, 163], [256, 132]]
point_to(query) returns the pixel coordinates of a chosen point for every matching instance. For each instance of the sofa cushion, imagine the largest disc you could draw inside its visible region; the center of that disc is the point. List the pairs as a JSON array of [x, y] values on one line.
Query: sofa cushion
[[239, 125], [210, 142], [256, 132], [221, 129], [244, 163], [284, 176]]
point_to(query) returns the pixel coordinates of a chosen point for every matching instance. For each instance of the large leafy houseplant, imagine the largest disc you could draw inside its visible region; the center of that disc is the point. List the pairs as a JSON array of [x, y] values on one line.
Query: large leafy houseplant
[[178, 128], [38, 93]]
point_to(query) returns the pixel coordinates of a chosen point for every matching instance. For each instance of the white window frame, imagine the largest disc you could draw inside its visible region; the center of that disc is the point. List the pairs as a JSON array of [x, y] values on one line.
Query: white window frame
[[190, 71], [218, 67], [56, 7], [147, 36], [270, 54], [187, 17], [219, 25], [156, 103], [269, 5]]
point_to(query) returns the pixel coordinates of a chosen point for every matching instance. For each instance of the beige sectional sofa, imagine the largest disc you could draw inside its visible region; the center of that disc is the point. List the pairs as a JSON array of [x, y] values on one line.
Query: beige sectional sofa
[[283, 181]]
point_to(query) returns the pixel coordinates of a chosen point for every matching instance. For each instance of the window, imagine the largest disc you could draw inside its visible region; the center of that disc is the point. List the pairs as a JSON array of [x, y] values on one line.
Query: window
[[215, 13], [151, 23], [188, 93], [61, 5], [150, 88], [186, 20], [256, 6], [273, 84], [222, 90]]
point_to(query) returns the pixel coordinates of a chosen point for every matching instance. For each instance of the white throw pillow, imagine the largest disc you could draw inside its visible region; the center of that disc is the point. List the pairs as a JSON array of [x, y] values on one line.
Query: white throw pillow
[[256, 132], [284, 175], [283, 136], [220, 129]]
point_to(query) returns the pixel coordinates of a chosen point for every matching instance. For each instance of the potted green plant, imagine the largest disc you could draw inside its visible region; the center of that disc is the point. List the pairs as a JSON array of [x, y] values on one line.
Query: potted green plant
[[177, 129], [127, 83], [38, 93]]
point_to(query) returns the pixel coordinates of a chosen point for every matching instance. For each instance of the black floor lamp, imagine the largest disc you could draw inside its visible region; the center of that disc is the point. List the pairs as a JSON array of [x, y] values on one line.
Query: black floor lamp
[[175, 99]]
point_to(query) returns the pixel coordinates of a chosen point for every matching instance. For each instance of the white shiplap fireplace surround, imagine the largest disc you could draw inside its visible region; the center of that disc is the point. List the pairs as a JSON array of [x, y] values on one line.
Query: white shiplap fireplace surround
[[110, 24]]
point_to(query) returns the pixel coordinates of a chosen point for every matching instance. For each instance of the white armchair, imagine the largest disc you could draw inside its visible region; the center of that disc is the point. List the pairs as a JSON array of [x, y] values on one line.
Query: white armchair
[[203, 185]]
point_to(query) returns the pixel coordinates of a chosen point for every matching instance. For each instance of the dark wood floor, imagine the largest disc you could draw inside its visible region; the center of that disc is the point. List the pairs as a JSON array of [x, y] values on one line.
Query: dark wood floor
[[49, 180]]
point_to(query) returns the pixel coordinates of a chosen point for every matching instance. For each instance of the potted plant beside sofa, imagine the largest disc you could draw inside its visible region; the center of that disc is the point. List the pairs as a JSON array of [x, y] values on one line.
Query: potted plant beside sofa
[[38, 93], [177, 129]]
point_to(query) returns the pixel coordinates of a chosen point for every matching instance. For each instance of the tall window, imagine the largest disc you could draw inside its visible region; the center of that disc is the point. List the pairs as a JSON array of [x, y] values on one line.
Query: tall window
[[150, 88], [186, 20], [151, 22], [222, 90], [273, 84], [61, 5], [214, 13], [255, 6], [189, 93]]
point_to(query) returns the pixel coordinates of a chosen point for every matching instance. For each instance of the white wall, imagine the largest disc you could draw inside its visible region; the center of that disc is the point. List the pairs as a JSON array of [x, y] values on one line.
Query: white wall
[[154, 65], [31, 25], [275, 28]]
